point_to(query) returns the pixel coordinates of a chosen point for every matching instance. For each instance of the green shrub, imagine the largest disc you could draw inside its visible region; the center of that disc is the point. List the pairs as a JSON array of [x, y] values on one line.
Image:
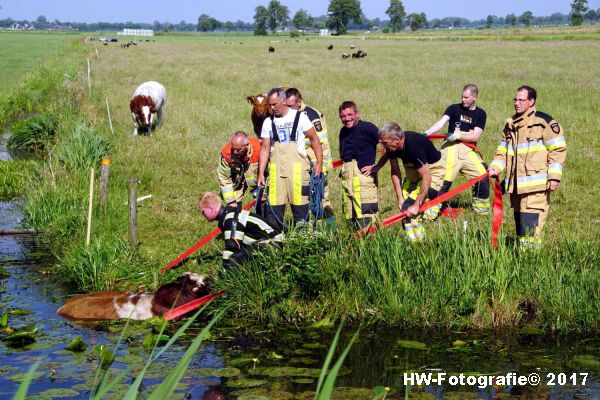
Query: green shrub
[[33, 134]]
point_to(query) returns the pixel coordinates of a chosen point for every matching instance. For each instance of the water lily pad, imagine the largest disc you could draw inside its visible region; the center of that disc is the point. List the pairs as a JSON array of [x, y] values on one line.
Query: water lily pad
[[21, 337], [4, 320], [304, 361], [531, 330], [275, 372], [245, 383], [459, 343], [304, 381], [20, 377], [77, 345], [586, 361], [411, 344], [151, 340], [350, 393], [324, 323], [106, 356], [302, 352], [262, 394], [313, 345], [57, 393], [274, 356], [240, 361], [226, 372]]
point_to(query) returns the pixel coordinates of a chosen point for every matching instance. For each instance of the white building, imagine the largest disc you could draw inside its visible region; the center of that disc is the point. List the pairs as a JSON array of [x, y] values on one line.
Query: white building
[[136, 32]]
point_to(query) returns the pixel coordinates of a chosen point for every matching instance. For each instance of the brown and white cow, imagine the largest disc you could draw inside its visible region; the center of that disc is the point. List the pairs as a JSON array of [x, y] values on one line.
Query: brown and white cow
[[147, 100], [109, 305]]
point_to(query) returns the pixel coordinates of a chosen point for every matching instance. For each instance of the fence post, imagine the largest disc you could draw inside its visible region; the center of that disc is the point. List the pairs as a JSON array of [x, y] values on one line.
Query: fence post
[[88, 235], [89, 76], [133, 211], [109, 118], [105, 162]]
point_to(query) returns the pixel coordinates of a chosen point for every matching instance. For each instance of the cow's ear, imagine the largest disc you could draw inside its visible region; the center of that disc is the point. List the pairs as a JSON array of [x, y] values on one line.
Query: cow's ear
[[250, 99]]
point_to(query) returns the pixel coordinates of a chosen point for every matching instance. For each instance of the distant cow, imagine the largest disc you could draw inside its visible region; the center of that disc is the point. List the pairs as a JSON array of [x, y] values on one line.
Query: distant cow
[[330, 47], [271, 49], [260, 111], [345, 55], [359, 54], [147, 100]]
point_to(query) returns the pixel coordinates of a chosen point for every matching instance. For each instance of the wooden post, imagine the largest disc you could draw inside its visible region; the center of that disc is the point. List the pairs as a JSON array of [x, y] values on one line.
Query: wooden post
[[133, 211], [109, 119], [105, 162], [88, 235], [97, 55], [89, 75]]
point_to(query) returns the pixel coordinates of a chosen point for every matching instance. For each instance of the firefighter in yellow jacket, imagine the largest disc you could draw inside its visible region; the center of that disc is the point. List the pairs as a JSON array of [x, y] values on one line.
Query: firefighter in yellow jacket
[[532, 152], [238, 168], [283, 148], [295, 101]]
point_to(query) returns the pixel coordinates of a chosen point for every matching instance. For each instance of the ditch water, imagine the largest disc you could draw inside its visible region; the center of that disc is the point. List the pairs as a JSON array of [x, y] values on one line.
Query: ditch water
[[242, 361]]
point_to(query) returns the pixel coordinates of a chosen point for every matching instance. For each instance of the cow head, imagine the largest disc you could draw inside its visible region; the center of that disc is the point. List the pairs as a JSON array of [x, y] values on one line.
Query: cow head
[[142, 110], [260, 110]]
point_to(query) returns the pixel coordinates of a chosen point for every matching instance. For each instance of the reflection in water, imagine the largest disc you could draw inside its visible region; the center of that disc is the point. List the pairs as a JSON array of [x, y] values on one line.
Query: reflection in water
[[262, 363]]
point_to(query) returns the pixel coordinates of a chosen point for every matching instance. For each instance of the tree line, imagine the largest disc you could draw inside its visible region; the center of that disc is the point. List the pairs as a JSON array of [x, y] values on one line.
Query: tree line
[[342, 15]]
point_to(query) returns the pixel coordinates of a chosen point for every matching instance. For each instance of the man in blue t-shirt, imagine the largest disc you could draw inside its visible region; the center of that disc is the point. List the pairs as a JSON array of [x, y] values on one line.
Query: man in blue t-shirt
[[358, 143], [466, 123]]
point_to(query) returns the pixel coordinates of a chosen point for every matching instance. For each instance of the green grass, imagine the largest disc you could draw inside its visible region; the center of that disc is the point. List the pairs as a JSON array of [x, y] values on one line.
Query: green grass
[[453, 280]]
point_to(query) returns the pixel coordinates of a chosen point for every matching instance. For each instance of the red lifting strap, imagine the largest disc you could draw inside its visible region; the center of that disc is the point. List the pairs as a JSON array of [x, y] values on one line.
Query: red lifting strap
[[192, 305], [214, 233], [440, 199], [496, 213]]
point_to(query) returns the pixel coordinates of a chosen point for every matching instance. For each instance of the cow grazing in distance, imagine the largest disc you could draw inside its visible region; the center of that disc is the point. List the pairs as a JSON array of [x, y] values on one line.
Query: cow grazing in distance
[[147, 101], [260, 111], [345, 55], [359, 54], [330, 47], [271, 49]]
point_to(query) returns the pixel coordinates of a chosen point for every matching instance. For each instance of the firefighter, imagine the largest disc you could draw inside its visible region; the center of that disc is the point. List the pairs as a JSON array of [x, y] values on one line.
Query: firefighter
[[424, 172], [283, 149], [238, 168], [532, 153], [243, 231], [295, 101], [358, 145], [466, 122]]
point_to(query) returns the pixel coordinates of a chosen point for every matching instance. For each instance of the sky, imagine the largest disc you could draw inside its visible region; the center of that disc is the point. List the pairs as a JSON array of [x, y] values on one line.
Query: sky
[[175, 11]]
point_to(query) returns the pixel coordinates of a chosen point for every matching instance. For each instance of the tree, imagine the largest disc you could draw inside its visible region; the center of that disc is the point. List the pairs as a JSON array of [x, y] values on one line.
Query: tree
[[511, 19], [207, 23], [279, 15], [341, 12], [525, 18], [489, 21], [229, 26], [592, 16], [578, 9], [302, 19], [417, 21], [261, 18], [397, 14]]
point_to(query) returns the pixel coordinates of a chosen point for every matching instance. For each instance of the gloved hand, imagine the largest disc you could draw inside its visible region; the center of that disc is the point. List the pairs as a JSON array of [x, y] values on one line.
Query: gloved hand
[[425, 133], [454, 137]]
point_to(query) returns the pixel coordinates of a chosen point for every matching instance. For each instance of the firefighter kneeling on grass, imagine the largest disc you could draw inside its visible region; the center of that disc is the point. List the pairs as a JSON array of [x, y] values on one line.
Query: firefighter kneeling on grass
[[289, 167], [238, 168], [243, 231]]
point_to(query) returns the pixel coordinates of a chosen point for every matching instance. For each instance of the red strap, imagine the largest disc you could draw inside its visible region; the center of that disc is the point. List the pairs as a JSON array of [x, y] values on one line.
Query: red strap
[[496, 213], [215, 232], [192, 305], [440, 199]]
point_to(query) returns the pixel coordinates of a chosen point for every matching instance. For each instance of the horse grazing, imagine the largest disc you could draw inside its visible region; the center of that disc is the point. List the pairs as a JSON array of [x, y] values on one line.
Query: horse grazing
[[147, 100], [109, 305], [260, 111]]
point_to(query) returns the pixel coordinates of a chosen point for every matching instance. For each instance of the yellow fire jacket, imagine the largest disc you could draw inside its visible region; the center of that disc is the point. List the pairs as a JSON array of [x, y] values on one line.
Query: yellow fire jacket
[[532, 152]]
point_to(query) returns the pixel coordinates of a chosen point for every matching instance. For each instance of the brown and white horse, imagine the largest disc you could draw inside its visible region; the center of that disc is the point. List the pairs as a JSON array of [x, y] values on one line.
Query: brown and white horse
[[107, 305], [147, 100]]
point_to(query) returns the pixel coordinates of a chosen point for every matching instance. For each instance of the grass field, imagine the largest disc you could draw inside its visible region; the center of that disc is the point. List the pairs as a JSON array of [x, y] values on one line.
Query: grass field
[[407, 81]]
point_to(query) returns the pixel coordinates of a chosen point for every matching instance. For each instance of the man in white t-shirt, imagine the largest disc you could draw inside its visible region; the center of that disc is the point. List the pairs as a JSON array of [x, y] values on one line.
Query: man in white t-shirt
[[282, 137]]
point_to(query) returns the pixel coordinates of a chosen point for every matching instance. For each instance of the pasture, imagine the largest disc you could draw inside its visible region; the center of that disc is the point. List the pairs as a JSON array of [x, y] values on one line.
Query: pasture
[[411, 82], [207, 80]]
